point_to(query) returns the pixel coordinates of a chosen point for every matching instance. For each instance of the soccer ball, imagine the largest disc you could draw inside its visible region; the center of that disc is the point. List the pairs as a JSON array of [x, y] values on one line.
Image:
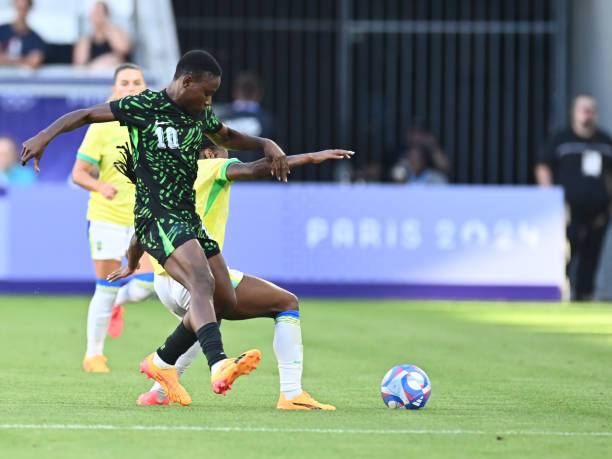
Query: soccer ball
[[405, 386]]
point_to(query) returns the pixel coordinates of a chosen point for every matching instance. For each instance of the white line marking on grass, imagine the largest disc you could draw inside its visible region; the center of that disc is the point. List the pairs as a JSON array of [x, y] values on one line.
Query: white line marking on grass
[[174, 428]]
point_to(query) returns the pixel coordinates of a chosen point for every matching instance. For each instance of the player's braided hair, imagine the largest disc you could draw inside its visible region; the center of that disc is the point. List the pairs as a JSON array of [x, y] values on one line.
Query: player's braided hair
[[126, 164]]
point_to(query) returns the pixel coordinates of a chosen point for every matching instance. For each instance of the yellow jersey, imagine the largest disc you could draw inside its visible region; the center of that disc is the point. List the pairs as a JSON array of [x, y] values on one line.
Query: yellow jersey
[[212, 189], [99, 148]]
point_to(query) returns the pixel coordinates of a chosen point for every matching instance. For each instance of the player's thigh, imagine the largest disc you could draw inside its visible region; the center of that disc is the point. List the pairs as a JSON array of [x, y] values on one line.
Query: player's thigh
[[172, 295], [188, 265], [104, 267], [259, 298], [225, 296]]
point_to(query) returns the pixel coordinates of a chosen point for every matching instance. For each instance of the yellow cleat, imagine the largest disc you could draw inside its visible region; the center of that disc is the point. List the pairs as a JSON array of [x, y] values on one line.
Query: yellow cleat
[[95, 364], [304, 401], [230, 369], [168, 378]]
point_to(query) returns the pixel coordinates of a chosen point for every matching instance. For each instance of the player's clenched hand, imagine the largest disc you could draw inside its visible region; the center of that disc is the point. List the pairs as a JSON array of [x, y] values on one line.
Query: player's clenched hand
[[107, 190], [121, 273], [34, 148], [280, 166], [320, 156]]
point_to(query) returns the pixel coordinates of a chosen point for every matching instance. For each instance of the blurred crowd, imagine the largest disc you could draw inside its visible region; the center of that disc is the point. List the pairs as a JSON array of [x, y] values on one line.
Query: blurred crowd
[[104, 46]]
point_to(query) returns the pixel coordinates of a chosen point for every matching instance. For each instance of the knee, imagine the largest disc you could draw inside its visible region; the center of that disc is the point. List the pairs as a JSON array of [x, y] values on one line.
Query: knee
[[201, 278], [289, 302]]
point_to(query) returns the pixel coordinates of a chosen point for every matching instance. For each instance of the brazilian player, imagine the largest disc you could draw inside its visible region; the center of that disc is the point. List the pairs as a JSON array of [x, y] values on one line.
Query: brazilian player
[[167, 131], [255, 297], [110, 216]]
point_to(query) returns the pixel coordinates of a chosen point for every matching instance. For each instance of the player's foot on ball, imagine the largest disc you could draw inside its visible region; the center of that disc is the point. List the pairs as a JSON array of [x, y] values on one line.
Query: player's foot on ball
[[115, 326], [230, 369], [304, 401], [151, 398], [95, 364], [168, 378]]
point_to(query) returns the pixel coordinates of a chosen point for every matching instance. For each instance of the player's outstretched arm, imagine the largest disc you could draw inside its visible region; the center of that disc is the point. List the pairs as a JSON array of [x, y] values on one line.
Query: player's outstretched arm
[[261, 168], [34, 147], [234, 140], [134, 254]]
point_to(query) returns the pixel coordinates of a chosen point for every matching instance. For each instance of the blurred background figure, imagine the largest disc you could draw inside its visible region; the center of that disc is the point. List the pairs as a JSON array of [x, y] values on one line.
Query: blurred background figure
[[421, 160], [106, 46], [20, 45], [246, 113], [11, 172], [579, 159]]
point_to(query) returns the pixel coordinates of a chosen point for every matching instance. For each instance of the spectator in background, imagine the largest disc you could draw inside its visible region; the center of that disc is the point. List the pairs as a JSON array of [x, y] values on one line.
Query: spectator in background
[[107, 46], [11, 172], [422, 159], [246, 114], [418, 166], [579, 158], [20, 45]]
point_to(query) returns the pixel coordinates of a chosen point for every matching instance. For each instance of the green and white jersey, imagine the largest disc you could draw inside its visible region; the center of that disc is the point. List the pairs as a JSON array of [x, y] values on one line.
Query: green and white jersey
[[166, 144]]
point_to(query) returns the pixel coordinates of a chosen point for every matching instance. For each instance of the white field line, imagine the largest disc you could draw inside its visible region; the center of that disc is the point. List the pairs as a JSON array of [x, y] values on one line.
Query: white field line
[[187, 428]]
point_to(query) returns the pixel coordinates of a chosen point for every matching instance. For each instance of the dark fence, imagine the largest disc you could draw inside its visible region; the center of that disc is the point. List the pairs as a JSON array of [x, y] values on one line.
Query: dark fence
[[487, 77]]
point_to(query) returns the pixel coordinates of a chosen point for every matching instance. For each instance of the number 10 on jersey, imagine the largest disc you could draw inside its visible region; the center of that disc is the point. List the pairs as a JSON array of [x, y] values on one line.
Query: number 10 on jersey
[[170, 135]]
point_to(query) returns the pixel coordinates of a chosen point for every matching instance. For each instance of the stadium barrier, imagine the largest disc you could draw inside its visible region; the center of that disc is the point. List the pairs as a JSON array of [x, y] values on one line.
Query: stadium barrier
[[328, 240]]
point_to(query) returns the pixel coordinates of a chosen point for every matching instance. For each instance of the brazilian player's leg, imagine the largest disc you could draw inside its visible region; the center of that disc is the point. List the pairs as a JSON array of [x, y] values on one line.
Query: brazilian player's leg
[[108, 243], [259, 298], [138, 288], [140, 284], [98, 316]]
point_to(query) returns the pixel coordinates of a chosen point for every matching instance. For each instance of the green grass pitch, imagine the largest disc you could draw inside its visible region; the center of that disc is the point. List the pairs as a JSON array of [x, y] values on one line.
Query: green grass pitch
[[509, 380]]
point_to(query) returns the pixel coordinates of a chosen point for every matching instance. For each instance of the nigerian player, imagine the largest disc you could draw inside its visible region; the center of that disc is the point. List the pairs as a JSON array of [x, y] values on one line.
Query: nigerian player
[[110, 216], [255, 297], [167, 131]]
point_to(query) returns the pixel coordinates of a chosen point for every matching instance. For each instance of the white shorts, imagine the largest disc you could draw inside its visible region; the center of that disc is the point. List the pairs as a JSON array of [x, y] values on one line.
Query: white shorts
[[109, 241], [176, 298]]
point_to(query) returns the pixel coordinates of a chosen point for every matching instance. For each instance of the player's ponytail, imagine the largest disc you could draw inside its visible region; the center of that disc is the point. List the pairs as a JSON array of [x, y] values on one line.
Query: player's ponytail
[[126, 164]]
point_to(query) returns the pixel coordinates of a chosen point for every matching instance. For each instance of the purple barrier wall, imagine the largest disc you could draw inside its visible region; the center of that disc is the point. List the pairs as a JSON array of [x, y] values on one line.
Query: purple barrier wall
[[330, 240], [23, 116]]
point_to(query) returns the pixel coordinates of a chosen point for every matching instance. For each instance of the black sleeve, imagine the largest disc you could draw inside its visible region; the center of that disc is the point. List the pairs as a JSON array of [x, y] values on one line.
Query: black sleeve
[[132, 110], [37, 43], [548, 152], [212, 123]]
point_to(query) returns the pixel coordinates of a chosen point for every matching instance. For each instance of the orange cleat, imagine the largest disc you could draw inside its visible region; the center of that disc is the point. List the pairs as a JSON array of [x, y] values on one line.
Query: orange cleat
[[95, 364], [230, 369], [115, 326], [152, 398], [168, 378], [304, 401]]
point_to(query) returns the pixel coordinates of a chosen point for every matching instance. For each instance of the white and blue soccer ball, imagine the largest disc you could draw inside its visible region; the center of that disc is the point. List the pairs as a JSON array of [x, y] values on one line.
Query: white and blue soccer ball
[[405, 386]]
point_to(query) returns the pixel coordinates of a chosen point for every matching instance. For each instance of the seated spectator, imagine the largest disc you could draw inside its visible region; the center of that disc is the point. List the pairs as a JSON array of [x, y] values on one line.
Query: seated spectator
[[418, 166], [246, 114], [106, 47], [20, 45], [418, 136], [11, 172]]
